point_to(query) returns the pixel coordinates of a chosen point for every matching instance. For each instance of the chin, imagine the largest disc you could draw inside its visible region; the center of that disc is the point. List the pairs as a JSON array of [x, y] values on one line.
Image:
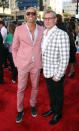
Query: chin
[[48, 27]]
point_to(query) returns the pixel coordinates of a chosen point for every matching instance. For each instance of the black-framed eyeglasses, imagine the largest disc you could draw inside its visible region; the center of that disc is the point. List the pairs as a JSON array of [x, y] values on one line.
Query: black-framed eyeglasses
[[49, 18], [31, 13]]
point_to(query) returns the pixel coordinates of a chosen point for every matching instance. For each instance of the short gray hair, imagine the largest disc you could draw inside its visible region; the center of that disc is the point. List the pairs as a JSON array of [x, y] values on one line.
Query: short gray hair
[[50, 11]]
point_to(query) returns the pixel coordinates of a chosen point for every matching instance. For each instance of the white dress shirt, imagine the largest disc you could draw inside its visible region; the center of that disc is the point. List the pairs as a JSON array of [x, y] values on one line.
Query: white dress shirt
[[45, 38], [35, 36], [35, 33], [4, 33]]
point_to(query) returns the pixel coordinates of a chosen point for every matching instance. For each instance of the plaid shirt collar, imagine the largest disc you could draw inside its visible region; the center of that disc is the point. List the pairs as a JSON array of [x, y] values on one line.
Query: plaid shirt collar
[[51, 30]]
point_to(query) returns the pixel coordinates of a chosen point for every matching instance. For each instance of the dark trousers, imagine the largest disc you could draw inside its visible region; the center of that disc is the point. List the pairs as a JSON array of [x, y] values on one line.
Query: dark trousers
[[1, 73], [56, 93], [13, 68], [5, 59]]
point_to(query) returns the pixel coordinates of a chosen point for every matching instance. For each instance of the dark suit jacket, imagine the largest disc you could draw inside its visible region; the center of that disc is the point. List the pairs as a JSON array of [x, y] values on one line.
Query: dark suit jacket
[[3, 50]]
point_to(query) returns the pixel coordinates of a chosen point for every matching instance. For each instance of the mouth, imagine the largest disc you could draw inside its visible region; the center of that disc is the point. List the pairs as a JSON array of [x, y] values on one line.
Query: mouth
[[31, 18]]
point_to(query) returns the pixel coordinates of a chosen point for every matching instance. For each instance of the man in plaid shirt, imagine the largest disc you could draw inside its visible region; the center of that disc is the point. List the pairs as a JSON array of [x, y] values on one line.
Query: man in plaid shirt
[[55, 57]]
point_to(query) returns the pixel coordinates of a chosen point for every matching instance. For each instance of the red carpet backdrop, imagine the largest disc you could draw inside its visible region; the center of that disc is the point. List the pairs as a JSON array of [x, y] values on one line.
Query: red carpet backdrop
[[8, 112]]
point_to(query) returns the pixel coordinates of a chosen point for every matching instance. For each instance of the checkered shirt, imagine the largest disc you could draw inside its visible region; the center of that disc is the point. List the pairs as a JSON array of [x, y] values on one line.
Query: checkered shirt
[[55, 58]]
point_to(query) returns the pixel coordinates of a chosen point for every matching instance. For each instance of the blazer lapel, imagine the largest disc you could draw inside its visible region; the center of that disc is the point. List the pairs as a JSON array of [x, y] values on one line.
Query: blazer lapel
[[26, 34], [39, 35], [48, 40]]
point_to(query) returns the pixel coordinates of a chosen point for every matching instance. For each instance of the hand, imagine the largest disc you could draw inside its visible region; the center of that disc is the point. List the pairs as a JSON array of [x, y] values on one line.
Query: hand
[[54, 79]]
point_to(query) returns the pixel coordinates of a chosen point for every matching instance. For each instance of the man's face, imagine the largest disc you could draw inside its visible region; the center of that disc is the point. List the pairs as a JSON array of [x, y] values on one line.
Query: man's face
[[31, 15], [49, 20]]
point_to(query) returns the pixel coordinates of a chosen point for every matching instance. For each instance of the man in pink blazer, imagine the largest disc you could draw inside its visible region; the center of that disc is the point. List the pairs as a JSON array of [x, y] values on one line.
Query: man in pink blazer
[[26, 50]]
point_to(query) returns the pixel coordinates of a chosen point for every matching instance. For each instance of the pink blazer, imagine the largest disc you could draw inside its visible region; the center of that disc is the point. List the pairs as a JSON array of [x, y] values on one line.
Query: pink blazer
[[23, 49]]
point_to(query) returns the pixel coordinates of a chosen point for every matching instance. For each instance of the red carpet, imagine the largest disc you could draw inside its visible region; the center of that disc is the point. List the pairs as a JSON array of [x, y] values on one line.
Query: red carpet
[[69, 121]]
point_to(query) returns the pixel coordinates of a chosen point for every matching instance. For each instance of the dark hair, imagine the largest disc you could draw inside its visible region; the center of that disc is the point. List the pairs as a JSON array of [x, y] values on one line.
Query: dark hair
[[59, 18], [15, 22], [11, 28], [2, 23], [71, 26]]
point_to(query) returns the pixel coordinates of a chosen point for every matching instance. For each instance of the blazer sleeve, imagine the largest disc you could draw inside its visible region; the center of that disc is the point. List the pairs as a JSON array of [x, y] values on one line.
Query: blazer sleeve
[[15, 46], [64, 49]]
